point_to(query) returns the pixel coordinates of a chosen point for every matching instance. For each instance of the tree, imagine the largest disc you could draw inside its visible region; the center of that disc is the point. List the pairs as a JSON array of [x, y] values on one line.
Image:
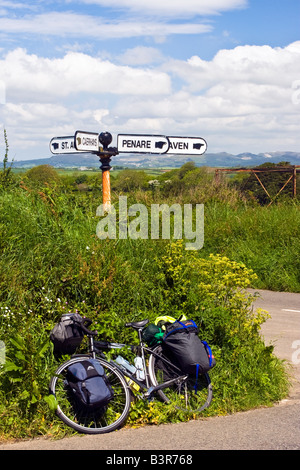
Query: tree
[[42, 175], [130, 180], [186, 168]]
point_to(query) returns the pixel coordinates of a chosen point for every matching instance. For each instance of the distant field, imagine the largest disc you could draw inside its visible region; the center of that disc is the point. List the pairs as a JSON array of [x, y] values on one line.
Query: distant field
[[114, 172]]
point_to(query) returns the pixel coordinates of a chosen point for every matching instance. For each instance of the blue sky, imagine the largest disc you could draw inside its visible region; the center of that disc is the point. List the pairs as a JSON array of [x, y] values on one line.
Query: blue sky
[[224, 70]]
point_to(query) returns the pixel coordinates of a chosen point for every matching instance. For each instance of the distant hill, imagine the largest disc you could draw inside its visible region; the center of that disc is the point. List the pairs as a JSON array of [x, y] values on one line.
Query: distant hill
[[222, 159]]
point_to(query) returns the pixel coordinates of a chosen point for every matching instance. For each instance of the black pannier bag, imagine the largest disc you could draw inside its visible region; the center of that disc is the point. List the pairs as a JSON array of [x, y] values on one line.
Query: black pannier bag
[[182, 345], [67, 334], [89, 385]]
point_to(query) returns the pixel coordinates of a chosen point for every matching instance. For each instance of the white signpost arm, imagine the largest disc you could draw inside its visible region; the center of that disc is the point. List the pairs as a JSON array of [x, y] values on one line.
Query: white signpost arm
[[98, 144]]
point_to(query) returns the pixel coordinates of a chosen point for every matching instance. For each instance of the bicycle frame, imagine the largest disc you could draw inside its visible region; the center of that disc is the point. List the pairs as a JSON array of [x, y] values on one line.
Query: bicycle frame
[[145, 386], [181, 390]]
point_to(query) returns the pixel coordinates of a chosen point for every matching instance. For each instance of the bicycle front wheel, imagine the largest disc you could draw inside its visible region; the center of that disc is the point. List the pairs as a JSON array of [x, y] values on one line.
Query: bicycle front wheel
[[193, 395], [99, 421]]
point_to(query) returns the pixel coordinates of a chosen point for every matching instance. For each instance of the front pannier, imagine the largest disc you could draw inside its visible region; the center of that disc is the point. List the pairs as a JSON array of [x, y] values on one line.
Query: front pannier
[[67, 334], [89, 385], [183, 345]]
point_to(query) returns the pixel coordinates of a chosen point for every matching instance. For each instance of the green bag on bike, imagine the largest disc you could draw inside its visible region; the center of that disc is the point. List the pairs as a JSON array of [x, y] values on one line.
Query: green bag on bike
[[152, 335]]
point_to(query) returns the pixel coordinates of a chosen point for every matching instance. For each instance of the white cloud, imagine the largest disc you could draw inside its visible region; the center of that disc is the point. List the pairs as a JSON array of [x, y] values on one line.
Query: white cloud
[[241, 100], [241, 81], [32, 125], [244, 64], [32, 78], [172, 7], [68, 24], [141, 55], [14, 5]]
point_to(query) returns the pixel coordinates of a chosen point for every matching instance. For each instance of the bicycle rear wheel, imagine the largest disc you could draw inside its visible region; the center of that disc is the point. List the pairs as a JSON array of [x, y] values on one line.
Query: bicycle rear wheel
[[193, 395], [99, 421]]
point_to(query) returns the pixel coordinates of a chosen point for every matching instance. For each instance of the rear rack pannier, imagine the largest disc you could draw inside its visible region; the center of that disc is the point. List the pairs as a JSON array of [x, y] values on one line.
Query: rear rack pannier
[[183, 345]]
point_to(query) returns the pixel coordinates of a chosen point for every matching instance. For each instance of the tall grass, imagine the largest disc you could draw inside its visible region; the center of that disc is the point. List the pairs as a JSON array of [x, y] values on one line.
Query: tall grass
[[266, 239], [52, 261], [47, 239]]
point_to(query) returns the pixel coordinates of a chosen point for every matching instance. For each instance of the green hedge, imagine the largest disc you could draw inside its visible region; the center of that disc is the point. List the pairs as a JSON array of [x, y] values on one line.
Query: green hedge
[[52, 262]]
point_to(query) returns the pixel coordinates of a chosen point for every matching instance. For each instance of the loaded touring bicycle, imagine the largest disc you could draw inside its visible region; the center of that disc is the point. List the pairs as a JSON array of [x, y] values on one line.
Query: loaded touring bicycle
[[93, 393]]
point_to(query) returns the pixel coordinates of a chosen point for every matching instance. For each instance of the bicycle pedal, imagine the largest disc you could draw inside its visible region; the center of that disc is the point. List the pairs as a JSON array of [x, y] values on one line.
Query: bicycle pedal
[[149, 392]]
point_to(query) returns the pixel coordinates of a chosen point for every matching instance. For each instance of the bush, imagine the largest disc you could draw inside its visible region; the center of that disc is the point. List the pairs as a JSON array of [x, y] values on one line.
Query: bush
[[42, 175], [131, 180], [171, 281], [52, 262]]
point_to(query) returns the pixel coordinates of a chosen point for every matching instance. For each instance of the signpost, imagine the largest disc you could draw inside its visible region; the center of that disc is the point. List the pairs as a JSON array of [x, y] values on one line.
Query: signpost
[[137, 143], [93, 142], [62, 145], [105, 139], [87, 141], [187, 145]]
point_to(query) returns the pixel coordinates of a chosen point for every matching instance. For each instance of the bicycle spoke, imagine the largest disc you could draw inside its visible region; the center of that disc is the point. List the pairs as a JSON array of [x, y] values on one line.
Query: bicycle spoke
[[104, 419], [192, 395]]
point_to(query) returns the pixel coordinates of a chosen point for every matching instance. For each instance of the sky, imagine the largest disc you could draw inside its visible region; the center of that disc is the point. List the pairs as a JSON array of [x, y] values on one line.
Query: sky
[[224, 70]]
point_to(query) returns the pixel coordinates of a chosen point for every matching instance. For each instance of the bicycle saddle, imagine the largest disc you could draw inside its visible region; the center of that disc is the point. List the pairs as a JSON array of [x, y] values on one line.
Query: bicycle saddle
[[138, 324]]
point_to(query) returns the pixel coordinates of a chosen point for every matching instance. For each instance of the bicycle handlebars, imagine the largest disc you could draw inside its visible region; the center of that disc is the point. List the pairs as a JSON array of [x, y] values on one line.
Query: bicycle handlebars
[[88, 321]]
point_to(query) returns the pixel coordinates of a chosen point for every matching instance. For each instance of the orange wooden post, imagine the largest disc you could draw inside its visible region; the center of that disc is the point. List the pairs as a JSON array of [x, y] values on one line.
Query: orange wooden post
[[105, 155], [106, 196]]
